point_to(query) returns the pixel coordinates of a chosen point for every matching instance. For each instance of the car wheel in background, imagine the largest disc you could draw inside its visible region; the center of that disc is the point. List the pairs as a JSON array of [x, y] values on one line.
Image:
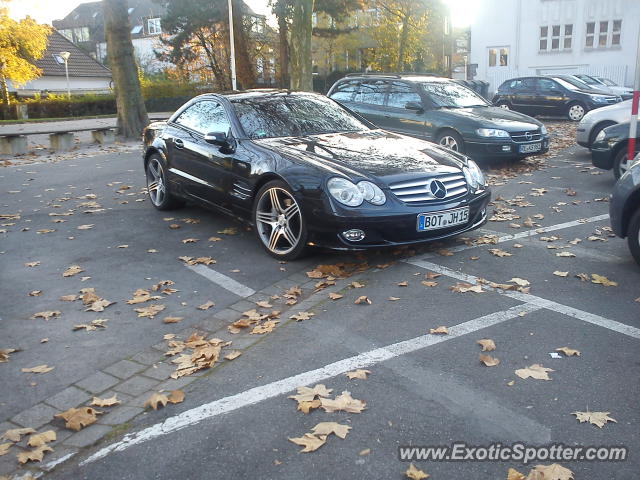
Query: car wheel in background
[[633, 236], [575, 111], [504, 105], [597, 129], [158, 186], [621, 163], [279, 221], [451, 140]]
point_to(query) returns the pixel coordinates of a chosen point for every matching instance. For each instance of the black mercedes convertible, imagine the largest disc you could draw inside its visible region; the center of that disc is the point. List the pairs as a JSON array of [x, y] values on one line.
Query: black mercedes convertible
[[306, 171]]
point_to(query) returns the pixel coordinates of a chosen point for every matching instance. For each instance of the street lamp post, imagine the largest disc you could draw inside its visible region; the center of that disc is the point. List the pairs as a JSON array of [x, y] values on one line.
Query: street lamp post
[[65, 56], [233, 48]]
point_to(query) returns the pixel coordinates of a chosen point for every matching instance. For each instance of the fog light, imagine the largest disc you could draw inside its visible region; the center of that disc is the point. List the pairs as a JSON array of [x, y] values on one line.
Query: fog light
[[506, 148], [353, 235]]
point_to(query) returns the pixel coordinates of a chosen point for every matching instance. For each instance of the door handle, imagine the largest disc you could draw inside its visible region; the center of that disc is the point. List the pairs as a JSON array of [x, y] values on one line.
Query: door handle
[[178, 143]]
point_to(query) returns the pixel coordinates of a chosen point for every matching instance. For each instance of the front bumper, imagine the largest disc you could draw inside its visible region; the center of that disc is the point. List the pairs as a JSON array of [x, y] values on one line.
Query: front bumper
[[582, 134], [502, 147], [394, 228], [602, 156]]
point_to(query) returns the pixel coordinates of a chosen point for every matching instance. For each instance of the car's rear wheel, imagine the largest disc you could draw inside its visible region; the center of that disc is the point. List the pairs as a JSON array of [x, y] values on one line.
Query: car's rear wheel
[[279, 221], [633, 236], [621, 163], [451, 140], [597, 129], [504, 105], [575, 111], [158, 186]]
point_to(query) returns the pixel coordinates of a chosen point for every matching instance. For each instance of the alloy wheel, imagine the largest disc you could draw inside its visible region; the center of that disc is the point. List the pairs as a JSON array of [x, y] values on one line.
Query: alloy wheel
[[156, 182], [576, 112], [278, 221], [449, 142]]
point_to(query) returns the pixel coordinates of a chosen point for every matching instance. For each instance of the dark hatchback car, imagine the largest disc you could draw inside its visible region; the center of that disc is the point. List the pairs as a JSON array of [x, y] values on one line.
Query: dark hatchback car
[[555, 96], [609, 150], [305, 171], [624, 209], [442, 111]]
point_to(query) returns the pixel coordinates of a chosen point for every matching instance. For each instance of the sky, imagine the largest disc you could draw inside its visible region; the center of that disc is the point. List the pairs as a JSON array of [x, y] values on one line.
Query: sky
[[45, 11]]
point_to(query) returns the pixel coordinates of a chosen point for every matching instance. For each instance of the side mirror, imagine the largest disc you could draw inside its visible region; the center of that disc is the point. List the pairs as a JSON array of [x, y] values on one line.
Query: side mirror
[[221, 139], [415, 106]]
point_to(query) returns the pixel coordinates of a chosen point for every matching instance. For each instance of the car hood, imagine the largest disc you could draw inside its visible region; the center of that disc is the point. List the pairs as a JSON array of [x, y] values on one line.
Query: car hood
[[373, 153], [494, 117]]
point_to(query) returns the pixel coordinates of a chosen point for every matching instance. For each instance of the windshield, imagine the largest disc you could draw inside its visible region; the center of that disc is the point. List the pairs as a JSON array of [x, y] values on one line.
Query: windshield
[[607, 82], [291, 116], [587, 79], [572, 85], [452, 95]]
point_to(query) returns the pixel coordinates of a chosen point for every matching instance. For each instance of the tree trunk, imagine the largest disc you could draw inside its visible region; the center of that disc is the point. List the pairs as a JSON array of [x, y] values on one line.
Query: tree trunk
[[404, 36], [4, 88], [283, 47], [245, 72], [300, 47], [132, 114]]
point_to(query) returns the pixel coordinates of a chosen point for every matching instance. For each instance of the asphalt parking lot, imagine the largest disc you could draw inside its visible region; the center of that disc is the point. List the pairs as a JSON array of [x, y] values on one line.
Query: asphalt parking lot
[[423, 390]]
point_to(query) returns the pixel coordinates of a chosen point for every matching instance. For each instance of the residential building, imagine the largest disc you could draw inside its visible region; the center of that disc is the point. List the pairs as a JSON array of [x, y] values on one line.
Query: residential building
[[536, 37], [86, 75]]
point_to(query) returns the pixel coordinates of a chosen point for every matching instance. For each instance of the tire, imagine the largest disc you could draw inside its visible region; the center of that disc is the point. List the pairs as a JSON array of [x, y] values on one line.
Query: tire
[[504, 105], [283, 235], [451, 140], [597, 129], [633, 236], [158, 186], [620, 163], [575, 111]]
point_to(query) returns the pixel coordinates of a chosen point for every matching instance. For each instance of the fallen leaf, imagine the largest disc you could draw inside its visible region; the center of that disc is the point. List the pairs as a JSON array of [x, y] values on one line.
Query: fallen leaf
[[155, 400], [300, 316], [335, 296], [266, 327], [214, 239], [69, 298], [176, 396], [361, 374], [105, 402], [306, 407], [428, 283], [403, 284], [85, 227], [599, 419], [499, 253], [39, 439], [78, 418], [34, 455], [344, 402], [72, 270], [99, 305], [151, 311], [233, 354], [362, 299], [47, 315], [550, 472], [432, 275], [4, 353], [229, 231], [513, 474], [568, 351], [364, 452], [487, 344], [307, 394], [4, 449], [35, 293], [310, 442], [327, 428], [565, 254], [15, 434], [535, 371], [560, 274], [207, 305], [174, 226], [190, 240], [394, 299], [38, 369], [462, 287], [356, 285], [444, 252], [489, 361], [172, 319], [441, 329], [601, 280], [415, 474], [520, 282], [32, 264], [94, 325]]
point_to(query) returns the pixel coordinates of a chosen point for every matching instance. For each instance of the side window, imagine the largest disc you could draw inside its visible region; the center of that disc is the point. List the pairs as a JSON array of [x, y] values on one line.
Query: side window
[[344, 92], [204, 117], [523, 85], [400, 94], [371, 92], [547, 85]]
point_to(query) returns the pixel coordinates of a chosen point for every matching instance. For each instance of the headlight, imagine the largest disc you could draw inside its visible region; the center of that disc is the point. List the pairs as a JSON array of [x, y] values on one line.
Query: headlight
[[345, 191], [543, 130], [491, 132], [600, 136], [371, 193], [474, 175], [599, 98]]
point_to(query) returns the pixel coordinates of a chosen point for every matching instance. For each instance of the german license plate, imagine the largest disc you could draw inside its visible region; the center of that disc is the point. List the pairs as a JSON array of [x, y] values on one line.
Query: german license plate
[[444, 219], [531, 147]]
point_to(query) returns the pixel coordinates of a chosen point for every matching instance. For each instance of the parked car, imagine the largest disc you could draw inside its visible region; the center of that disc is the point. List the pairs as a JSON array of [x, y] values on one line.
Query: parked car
[[606, 85], [624, 209], [609, 149], [442, 111], [597, 120], [550, 96], [306, 171]]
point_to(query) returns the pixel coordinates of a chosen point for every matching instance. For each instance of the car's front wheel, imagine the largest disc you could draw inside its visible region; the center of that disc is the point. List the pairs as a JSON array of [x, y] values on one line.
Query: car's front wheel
[[279, 221], [621, 163], [158, 186], [451, 140], [576, 111], [633, 236]]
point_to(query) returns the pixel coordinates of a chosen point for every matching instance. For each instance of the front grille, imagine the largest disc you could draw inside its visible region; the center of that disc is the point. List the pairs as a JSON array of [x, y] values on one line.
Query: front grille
[[521, 137], [417, 190]]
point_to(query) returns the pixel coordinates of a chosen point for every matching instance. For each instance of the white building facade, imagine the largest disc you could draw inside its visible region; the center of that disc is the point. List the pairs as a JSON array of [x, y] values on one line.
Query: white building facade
[[511, 38]]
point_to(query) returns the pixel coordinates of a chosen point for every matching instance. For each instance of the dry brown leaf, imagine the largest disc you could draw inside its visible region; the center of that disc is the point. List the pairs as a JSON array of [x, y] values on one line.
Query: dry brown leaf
[[207, 305], [550, 472], [72, 270], [176, 396], [307, 394], [85, 227], [487, 344], [444, 252], [462, 287], [4, 449], [327, 428], [403, 284], [439, 330], [32, 264], [535, 371], [394, 299], [558, 273], [300, 316], [306, 407], [151, 311], [602, 280], [69, 298], [565, 254], [47, 315], [356, 285], [335, 296], [595, 418], [105, 402], [266, 327], [15, 434], [264, 304], [34, 455], [99, 305], [35, 293], [568, 351], [38, 369], [229, 231], [344, 402], [155, 400], [489, 361], [361, 374], [310, 442], [78, 418], [233, 354], [4, 353], [363, 300], [499, 253], [513, 474], [94, 325], [429, 283], [415, 474], [189, 240], [364, 452], [39, 439], [521, 282]]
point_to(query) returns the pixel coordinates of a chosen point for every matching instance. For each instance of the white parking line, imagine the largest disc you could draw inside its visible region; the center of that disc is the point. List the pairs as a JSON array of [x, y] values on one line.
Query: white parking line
[[225, 282], [280, 387], [532, 299]]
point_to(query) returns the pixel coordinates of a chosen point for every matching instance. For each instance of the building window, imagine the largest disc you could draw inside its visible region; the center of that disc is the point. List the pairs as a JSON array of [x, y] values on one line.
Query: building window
[[67, 33], [602, 34], [568, 37], [81, 34], [608, 34], [136, 30], [556, 38], [153, 26], [544, 34], [591, 31], [493, 54], [499, 57], [615, 33]]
